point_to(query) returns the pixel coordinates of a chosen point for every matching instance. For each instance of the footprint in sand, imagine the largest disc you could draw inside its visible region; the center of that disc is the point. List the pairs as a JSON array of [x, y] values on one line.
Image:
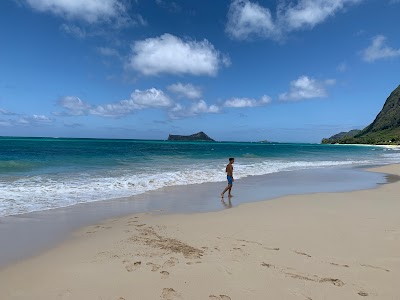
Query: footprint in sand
[[374, 267], [363, 294], [334, 281], [339, 265], [272, 248], [301, 253], [154, 267], [192, 263], [171, 262], [164, 274], [170, 294], [220, 297], [131, 266], [267, 265]]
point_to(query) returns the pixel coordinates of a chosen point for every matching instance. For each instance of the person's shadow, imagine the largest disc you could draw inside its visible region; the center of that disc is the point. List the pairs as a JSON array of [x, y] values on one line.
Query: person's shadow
[[227, 205]]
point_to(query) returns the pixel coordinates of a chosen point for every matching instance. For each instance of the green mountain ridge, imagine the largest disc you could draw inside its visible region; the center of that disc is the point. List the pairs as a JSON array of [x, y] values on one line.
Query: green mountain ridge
[[385, 129]]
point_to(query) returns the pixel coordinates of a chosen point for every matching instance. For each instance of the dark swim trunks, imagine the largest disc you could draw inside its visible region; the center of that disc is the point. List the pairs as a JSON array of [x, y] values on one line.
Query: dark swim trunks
[[230, 179]]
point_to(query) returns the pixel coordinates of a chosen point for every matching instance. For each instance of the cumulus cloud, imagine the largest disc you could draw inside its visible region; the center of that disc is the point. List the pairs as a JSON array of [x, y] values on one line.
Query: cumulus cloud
[[170, 54], [199, 107], [247, 102], [31, 120], [74, 106], [379, 50], [306, 88], [185, 90], [248, 19], [90, 11], [150, 98]]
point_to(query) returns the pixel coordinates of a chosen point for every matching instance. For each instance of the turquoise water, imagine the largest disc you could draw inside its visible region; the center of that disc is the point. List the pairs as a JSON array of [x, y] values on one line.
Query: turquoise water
[[44, 173]]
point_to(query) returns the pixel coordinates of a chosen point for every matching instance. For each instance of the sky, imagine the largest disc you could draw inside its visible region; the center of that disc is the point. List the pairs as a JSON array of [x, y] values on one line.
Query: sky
[[239, 70]]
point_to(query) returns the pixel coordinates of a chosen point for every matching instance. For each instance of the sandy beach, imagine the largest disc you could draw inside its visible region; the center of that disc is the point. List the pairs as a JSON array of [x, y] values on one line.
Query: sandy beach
[[318, 246]]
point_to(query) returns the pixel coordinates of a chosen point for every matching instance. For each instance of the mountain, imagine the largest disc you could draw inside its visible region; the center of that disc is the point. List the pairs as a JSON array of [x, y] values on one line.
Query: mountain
[[385, 129], [200, 136], [341, 135]]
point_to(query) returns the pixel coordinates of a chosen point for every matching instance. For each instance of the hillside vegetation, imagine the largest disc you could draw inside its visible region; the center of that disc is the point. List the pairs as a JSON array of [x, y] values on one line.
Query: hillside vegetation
[[385, 129]]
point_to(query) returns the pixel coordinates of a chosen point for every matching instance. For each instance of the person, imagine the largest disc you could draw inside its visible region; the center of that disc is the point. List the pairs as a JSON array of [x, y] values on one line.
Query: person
[[229, 177]]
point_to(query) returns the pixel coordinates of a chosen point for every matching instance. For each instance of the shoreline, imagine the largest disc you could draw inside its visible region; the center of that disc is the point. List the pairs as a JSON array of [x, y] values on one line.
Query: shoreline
[[39, 231], [313, 246]]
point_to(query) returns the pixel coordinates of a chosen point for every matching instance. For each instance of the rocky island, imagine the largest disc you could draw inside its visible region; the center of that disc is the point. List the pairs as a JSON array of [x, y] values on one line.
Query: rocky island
[[200, 137], [384, 130]]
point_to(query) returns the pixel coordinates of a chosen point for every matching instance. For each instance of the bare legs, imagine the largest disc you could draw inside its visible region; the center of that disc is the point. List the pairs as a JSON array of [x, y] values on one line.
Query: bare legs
[[228, 188]]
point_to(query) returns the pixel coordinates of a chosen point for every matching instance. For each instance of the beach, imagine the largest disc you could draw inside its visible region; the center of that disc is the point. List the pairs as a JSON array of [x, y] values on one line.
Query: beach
[[340, 245]]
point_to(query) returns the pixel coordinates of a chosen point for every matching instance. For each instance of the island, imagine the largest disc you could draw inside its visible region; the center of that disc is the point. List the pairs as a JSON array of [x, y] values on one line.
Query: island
[[199, 137], [384, 130]]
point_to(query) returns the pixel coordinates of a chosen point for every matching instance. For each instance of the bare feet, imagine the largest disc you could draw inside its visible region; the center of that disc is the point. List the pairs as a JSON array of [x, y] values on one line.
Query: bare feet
[[222, 195]]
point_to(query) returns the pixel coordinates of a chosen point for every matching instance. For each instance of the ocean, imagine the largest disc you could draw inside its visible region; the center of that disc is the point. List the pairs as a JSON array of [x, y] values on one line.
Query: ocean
[[38, 174]]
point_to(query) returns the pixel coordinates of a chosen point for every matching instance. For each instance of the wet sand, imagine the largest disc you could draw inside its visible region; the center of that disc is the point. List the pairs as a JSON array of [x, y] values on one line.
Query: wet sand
[[29, 234], [342, 245]]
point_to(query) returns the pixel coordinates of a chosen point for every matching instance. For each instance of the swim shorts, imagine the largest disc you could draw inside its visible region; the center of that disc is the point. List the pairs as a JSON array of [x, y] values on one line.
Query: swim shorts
[[230, 179]]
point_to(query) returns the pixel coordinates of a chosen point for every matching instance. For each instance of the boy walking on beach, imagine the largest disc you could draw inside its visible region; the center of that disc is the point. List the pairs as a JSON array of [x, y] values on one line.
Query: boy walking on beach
[[229, 177]]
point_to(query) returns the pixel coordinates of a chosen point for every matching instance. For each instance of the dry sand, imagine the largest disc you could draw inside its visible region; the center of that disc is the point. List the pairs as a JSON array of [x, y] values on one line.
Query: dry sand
[[319, 246]]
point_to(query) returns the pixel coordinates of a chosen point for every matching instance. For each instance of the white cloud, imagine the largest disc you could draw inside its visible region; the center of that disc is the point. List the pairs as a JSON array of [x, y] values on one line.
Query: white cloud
[[90, 11], [32, 120], [200, 107], [249, 19], [306, 88], [151, 98], [246, 19], [308, 13], [139, 100], [247, 102], [74, 105], [185, 90], [170, 54], [379, 50]]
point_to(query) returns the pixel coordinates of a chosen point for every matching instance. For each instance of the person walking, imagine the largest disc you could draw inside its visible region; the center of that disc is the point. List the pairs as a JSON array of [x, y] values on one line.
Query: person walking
[[229, 177]]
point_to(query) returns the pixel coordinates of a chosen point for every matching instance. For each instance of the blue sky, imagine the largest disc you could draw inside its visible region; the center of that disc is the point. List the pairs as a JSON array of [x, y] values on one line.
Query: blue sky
[[286, 71]]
